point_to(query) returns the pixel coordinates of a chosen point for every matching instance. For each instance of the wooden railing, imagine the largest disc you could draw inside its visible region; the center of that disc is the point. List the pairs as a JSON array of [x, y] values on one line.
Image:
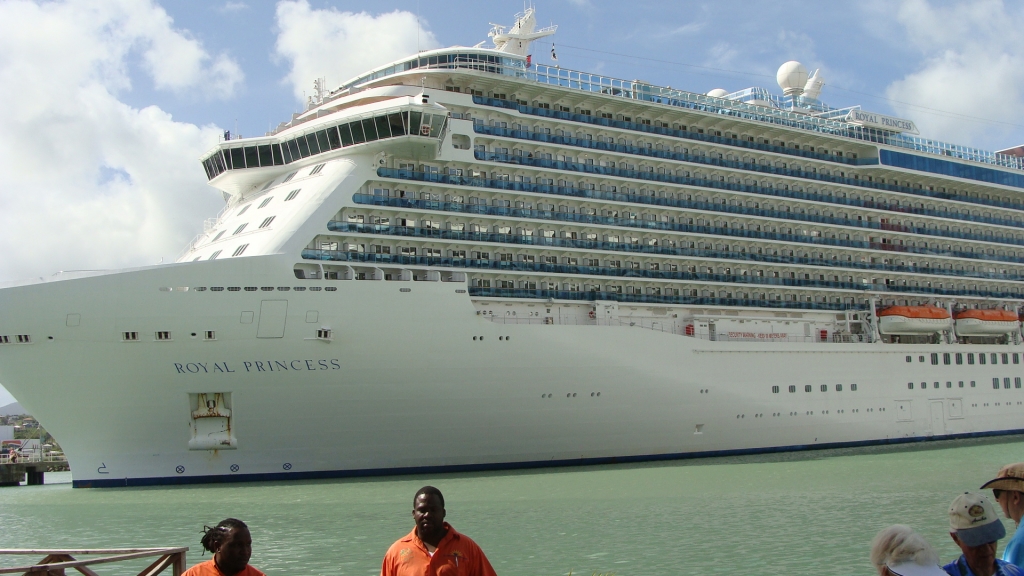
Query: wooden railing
[[55, 562]]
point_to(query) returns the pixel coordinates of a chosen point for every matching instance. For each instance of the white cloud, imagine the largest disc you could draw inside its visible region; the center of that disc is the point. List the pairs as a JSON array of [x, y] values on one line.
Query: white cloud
[[340, 45], [89, 181], [973, 65], [233, 6]]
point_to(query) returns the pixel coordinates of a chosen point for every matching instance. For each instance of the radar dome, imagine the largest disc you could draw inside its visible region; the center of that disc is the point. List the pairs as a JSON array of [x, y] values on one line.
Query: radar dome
[[718, 93], [792, 77]]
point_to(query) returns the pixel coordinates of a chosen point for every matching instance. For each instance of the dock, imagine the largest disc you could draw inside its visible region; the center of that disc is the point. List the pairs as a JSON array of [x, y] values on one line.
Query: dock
[[30, 469]]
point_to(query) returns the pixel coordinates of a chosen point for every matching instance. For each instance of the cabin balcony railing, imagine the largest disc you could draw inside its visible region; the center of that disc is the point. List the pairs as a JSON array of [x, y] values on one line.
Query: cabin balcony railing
[[563, 140], [665, 131], [641, 248], [511, 266], [731, 186], [654, 224], [730, 108]]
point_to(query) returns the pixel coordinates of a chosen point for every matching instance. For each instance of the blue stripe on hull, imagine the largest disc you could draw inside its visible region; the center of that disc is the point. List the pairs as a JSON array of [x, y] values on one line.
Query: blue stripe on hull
[[325, 474]]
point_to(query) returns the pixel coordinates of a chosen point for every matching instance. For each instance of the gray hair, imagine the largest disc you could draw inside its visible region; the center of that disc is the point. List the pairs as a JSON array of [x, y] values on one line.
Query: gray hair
[[898, 544]]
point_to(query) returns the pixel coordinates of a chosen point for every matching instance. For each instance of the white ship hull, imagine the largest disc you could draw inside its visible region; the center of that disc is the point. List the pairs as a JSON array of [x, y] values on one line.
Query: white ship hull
[[466, 260], [404, 387]]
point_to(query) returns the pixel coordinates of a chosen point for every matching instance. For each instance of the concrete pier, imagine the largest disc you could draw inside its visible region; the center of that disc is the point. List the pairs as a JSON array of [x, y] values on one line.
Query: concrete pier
[[31, 473], [31, 469]]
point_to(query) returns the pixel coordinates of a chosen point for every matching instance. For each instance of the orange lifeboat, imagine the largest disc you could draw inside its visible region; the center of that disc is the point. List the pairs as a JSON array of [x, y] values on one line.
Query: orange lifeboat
[[910, 320], [986, 322]]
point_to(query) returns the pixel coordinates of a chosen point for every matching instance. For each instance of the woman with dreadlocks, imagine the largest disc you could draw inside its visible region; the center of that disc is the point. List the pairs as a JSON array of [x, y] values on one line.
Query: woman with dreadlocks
[[231, 545]]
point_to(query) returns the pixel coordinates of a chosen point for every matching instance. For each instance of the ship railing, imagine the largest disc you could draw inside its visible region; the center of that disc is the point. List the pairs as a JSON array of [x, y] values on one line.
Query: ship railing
[[56, 561], [569, 140], [744, 282], [656, 323], [633, 90], [421, 232], [750, 186], [778, 337], [660, 201], [33, 457]]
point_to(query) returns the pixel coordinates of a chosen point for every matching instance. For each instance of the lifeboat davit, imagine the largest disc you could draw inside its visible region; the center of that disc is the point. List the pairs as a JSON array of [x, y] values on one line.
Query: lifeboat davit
[[910, 320], [986, 322]]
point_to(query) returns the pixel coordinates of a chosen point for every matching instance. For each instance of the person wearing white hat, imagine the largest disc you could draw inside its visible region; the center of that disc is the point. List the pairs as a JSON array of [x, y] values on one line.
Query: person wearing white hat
[[899, 551], [1008, 491], [976, 528]]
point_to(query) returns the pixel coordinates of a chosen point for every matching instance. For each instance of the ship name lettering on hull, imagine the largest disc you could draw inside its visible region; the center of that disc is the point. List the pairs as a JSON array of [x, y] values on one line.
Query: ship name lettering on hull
[[258, 366]]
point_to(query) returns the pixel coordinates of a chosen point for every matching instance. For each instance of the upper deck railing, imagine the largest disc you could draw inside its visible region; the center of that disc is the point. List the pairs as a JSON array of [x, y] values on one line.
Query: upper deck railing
[[596, 83], [506, 65]]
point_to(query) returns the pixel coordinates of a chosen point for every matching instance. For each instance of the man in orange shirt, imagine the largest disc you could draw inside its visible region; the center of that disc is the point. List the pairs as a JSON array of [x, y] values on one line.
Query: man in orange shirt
[[434, 548], [231, 545]]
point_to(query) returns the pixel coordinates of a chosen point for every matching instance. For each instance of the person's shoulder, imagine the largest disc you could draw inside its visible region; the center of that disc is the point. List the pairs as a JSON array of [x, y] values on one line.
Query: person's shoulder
[[207, 568], [399, 544], [953, 569], [1010, 569], [464, 540], [251, 570]]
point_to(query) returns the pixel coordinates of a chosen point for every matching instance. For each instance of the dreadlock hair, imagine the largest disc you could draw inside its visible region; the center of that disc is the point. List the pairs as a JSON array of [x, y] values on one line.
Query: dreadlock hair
[[428, 490], [214, 536]]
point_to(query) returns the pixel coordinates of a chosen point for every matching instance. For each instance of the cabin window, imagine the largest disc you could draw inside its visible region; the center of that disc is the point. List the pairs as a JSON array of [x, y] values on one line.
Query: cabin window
[[792, 388], [981, 358], [824, 387], [1006, 358], [949, 384], [1016, 358], [935, 385], [959, 358], [924, 385], [920, 358], [909, 359], [973, 384], [807, 388], [970, 357], [853, 387], [995, 383], [839, 387], [775, 389], [935, 358], [910, 385], [1006, 383], [946, 358], [1016, 382], [994, 358]]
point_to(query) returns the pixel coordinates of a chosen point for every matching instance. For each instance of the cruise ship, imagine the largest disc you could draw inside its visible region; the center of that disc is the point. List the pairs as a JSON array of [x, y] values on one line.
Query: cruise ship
[[468, 260]]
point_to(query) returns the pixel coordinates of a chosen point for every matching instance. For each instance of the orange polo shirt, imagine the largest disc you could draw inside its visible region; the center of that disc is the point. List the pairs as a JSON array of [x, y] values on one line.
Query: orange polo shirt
[[209, 568], [456, 555]]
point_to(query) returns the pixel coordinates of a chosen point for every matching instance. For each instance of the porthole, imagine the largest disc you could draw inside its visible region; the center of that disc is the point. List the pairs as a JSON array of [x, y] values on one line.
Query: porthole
[[775, 389], [853, 387], [909, 359], [824, 387], [792, 388], [807, 388]]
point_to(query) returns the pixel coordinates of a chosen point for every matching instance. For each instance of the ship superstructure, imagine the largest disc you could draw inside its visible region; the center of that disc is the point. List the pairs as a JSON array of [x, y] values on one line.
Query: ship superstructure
[[565, 267]]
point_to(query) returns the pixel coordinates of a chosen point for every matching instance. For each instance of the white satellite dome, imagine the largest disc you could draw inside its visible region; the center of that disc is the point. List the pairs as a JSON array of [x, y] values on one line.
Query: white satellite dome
[[718, 93], [792, 77]]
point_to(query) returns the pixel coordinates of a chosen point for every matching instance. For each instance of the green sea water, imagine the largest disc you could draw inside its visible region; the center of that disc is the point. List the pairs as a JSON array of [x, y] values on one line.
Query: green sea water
[[798, 513]]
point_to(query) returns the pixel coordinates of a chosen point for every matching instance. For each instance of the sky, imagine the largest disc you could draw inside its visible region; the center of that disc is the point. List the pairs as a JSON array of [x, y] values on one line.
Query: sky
[[108, 104]]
